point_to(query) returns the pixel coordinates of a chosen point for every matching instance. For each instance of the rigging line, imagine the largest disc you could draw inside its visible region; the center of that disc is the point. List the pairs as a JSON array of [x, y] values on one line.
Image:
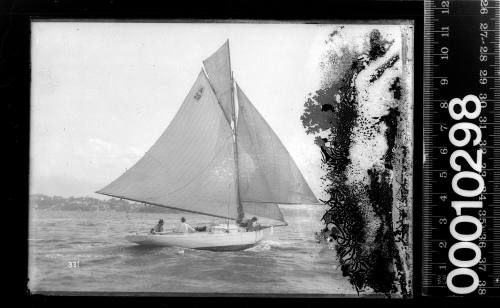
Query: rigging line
[[227, 220], [241, 213], [218, 102], [233, 136]]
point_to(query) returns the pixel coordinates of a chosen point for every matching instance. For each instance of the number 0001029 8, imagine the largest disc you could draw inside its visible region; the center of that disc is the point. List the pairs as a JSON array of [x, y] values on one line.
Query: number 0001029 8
[[462, 134]]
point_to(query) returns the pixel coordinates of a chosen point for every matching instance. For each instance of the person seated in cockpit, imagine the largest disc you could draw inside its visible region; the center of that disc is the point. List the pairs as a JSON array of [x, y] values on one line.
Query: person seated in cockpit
[[249, 224], [158, 227], [184, 227], [253, 226]]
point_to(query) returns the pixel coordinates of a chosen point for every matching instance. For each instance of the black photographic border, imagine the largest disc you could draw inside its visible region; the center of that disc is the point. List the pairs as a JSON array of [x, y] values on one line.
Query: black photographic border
[[15, 26]]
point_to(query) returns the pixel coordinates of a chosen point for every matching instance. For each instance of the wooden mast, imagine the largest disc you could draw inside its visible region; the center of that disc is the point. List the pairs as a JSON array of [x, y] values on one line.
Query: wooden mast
[[237, 177]]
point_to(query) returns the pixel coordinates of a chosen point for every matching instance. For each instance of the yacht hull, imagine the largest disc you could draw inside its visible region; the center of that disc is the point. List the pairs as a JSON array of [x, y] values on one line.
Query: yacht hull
[[219, 241]]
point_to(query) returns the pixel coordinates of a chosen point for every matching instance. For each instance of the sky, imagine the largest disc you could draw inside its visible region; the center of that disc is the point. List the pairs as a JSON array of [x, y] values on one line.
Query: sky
[[103, 92]]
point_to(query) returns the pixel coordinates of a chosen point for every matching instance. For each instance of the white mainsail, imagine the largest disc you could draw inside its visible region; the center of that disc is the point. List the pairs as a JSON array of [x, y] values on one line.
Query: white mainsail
[[204, 163], [191, 165], [218, 68]]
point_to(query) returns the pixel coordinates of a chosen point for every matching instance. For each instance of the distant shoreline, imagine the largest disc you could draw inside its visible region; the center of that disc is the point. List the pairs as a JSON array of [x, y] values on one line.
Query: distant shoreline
[[45, 202]]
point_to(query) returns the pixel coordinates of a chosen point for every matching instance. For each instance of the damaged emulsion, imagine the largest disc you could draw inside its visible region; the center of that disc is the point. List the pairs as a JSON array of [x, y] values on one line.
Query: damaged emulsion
[[379, 71], [333, 110]]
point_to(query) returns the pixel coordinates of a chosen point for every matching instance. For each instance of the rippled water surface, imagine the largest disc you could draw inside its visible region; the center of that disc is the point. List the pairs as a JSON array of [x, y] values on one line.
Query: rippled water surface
[[290, 261]]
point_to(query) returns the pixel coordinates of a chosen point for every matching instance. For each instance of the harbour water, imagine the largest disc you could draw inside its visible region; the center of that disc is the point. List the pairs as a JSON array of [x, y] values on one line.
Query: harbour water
[[86, 252]]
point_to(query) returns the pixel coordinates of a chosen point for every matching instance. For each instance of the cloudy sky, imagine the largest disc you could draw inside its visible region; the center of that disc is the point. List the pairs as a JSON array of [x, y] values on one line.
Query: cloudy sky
[[102, 93]]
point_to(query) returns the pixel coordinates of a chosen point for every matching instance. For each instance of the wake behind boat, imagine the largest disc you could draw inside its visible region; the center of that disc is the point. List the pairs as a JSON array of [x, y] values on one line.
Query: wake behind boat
[[217, 157]]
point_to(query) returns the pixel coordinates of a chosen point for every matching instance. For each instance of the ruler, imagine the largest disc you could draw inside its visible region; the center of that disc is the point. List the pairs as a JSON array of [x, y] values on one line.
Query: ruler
[[461, 169]]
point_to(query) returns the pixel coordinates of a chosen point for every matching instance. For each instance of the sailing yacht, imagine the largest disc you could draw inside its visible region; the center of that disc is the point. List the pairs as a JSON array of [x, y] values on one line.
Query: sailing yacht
[[218, 157]]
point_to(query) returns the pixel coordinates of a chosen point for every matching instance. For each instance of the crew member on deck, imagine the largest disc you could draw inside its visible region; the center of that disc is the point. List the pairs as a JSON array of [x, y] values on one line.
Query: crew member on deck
[[242, 222], [184, 227], [158, 227], [249, 224], [253, 225]]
